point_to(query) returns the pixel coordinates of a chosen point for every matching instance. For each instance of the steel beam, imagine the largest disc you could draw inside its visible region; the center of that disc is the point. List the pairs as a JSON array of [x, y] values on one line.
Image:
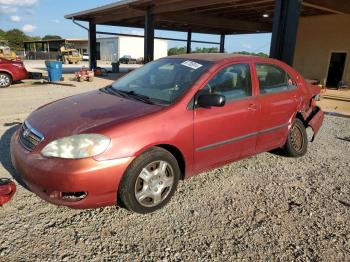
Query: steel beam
[[149, 36], [92, 46], [189, 41], [222, 43], [161, 38], [285, 29]]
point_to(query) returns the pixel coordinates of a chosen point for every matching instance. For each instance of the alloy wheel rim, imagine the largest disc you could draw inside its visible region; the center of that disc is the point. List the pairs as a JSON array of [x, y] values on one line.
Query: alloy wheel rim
[[297, 138], [4, 80], [154, 183]]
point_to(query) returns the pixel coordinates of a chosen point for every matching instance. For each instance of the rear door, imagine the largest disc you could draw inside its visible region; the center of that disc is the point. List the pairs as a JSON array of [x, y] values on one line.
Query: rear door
[[223, 134], [278, 98]]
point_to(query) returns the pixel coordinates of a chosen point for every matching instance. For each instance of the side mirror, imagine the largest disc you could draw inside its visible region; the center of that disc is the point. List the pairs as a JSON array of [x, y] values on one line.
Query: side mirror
[[209, 100]]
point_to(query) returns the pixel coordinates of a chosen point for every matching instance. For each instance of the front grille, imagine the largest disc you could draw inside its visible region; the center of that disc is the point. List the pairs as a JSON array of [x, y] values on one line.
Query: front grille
[[29, 137]]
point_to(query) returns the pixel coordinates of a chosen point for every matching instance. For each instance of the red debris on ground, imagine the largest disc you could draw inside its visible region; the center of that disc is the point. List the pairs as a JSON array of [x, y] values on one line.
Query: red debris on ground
[[7, 190]]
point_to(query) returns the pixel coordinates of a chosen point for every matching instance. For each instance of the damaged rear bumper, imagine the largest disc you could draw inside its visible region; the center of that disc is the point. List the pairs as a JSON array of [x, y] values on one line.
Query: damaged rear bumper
[[315, 121]]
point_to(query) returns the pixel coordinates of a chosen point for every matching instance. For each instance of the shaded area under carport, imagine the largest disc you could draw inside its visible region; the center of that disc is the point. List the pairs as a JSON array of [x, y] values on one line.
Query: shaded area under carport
[[221, 17]]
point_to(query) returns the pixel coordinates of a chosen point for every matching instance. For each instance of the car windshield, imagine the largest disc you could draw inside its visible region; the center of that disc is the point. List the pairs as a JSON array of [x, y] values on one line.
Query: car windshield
[[162, 81]]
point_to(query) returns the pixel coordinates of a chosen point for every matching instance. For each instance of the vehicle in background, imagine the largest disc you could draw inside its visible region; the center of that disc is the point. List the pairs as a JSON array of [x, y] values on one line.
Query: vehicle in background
[[5, 51], [69, 55], [127, 59], [86, 57], [84, 75], [11, 71], [132, 141], [140, 61]]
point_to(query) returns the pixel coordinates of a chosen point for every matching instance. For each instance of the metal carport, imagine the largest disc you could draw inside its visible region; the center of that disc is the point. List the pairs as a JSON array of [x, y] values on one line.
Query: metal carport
[[222, 17]]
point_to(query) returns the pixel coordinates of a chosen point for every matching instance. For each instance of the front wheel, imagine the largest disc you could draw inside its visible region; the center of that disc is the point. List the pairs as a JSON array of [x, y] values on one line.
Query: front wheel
[[296, 144], [150, 181], [5, 80]]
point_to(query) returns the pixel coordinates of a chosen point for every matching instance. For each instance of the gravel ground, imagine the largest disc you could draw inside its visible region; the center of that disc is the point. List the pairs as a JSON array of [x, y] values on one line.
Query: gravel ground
[[263, 208]]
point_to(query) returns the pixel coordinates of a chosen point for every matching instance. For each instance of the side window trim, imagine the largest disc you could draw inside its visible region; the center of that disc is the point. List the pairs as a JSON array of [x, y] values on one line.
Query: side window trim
[[290, 88], [248, 66]]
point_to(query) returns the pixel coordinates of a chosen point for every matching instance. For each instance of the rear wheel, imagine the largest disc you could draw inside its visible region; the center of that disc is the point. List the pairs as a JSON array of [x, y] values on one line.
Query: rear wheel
[[150, 181], [296, 144], [5, 80]]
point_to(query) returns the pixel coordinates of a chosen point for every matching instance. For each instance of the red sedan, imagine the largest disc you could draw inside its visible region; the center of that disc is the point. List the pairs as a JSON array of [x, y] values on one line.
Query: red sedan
[[133, 141], [11, 71]]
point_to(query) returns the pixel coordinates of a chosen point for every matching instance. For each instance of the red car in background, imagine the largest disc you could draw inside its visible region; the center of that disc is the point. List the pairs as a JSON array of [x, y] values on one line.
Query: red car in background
[[173, 118], [10, 71]]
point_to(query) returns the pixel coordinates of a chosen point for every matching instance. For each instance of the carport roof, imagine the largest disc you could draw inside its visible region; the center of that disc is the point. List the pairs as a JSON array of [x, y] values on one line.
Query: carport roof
[[203, 16]]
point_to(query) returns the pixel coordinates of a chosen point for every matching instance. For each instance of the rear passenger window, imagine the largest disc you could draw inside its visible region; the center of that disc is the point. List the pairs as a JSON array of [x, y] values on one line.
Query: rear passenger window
[[273, 79], [234, 82]]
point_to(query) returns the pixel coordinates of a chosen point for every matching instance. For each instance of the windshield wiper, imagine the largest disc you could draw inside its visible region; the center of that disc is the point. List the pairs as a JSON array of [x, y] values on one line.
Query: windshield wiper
[[127, 94], [139, 97], [110, 90]]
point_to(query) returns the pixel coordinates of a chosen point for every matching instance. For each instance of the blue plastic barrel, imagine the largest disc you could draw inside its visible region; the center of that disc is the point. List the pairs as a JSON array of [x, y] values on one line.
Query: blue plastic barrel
[[54, 69]]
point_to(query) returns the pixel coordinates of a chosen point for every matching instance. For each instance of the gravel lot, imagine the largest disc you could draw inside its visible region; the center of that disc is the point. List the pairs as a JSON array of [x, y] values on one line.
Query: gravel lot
[[263, 208]]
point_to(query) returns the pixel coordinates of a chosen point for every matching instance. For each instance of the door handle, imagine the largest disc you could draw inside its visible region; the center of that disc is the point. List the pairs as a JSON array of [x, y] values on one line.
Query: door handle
[[252, 107]]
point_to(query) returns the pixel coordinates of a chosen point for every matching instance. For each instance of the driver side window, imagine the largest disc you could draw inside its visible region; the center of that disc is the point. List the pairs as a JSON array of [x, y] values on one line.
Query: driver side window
[[233, 82]]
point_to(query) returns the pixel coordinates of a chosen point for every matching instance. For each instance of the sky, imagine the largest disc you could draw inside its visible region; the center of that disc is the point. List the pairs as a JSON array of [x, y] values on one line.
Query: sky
[[46, 17]]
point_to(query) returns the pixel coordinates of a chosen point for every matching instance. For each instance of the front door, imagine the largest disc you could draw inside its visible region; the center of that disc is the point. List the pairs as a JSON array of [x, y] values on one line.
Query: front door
[[336, 69], [224, 134]]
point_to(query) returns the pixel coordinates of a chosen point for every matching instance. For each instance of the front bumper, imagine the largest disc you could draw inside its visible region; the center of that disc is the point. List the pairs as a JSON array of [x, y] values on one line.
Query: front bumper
[[50, 177]]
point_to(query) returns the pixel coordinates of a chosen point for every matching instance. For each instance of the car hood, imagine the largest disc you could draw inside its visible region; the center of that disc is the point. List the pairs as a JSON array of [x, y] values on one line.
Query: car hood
[[88, 112]]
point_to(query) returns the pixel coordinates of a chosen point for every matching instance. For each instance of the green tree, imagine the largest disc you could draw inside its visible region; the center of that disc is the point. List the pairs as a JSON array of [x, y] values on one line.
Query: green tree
[[51, 37], [251, 53], [34, 38], [177, 51], [2, 34], [206, 50], [15, 38]]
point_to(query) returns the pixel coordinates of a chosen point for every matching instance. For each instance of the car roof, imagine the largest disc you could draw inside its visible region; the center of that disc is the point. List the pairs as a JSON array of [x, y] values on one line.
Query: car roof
[[212, 57]]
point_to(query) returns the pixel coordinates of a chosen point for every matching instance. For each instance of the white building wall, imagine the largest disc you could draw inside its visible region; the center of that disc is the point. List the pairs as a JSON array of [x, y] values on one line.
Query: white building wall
[[160, 48], [108, 48], [134, 46]]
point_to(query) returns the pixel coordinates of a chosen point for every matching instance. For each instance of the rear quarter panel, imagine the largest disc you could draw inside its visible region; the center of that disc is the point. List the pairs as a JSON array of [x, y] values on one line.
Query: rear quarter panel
[[16, 73]]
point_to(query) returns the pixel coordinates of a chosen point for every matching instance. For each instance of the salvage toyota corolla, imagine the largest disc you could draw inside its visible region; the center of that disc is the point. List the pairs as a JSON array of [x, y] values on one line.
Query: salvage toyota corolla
[[131, 142]]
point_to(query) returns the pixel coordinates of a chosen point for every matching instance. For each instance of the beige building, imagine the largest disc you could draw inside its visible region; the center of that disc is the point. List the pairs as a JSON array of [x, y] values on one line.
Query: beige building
[[323, 48]]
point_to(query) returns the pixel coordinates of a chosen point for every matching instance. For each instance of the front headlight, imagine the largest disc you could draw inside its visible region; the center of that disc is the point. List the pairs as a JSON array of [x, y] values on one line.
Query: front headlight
[[77, 146]]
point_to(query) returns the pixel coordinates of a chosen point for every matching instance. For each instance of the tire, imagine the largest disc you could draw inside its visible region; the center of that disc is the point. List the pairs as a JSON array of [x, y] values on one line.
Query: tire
[[5, 80], [142, 189], [297, 142]]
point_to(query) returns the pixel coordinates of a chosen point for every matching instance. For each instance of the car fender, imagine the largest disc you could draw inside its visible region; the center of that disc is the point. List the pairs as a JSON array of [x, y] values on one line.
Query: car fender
[[7, 72], [134, 138]]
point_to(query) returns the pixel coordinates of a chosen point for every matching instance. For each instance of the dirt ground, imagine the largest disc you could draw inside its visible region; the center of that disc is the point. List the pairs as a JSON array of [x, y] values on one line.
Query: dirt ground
[[263, 208]]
